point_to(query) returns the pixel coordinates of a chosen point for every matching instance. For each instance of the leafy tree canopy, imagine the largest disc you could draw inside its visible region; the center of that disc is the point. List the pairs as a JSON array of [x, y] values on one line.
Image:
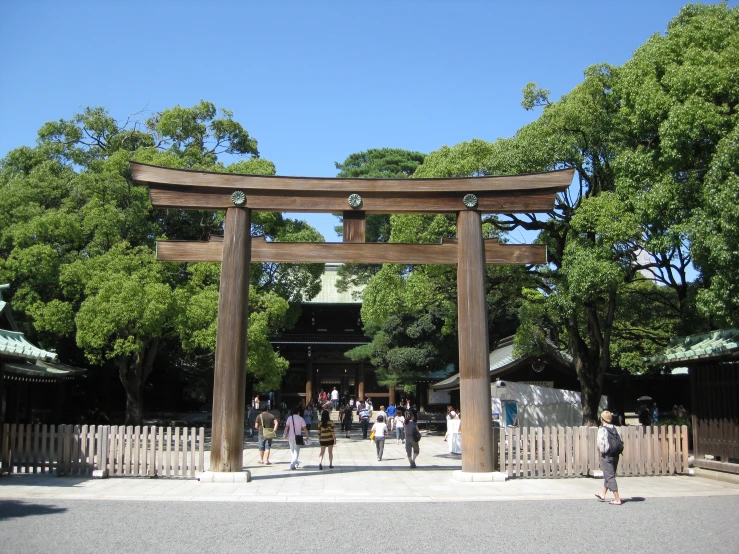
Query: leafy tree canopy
[[77, 238]]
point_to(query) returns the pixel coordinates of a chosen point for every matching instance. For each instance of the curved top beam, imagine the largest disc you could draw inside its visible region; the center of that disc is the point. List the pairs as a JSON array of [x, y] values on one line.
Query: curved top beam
[[144, 174]]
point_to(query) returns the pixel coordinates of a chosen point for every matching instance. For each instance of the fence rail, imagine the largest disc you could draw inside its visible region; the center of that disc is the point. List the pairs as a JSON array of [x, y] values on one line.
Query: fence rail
[[552, 452], [116, 450]]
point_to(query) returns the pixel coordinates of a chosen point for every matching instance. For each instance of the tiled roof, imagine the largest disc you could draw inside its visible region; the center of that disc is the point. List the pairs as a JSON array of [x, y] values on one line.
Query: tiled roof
[[696, 347], [40, 371], [329, 294], [13, 343], [500, 359]]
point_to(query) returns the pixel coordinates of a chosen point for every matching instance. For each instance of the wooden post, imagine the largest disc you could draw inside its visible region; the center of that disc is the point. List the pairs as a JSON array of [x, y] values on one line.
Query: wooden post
[[360, 384], [230, 371], [354, 226], [308, 382], [474, 365], [391, 397]]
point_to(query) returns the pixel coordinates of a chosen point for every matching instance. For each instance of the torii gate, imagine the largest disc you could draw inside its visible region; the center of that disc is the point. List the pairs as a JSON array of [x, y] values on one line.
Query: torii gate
[[468, 197]]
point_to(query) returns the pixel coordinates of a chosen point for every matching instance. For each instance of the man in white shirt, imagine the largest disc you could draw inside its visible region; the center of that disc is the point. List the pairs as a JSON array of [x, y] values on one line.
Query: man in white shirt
[[335, 397]]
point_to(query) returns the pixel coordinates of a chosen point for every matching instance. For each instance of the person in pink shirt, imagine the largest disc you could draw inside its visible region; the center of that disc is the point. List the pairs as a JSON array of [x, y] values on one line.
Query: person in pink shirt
[[295, 431]]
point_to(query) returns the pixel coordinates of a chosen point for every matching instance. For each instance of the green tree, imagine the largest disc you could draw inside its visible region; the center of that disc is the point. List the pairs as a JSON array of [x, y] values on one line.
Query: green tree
[[641, 137], [375, 163], [77, 241]]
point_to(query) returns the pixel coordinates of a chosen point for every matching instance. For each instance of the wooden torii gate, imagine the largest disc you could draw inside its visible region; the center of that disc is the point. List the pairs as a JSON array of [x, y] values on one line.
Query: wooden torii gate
[[239, 195]]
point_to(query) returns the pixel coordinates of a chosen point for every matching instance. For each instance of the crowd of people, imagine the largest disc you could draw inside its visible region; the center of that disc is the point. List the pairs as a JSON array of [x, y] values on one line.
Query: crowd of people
[[400, 421]]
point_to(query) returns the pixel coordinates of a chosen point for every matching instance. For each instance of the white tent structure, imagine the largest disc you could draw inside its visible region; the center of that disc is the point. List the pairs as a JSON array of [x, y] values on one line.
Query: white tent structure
[[533, 406]]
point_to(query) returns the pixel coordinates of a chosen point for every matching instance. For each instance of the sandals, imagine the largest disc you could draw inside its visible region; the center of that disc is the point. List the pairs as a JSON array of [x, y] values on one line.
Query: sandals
[[616, 502], [600, 498]]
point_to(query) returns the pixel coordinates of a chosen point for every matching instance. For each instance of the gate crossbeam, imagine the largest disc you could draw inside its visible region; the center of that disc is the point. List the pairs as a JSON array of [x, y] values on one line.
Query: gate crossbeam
[[340, 252]]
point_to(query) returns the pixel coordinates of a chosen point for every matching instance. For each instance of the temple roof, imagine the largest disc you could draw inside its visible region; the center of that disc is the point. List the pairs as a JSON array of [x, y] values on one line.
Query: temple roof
[[717, 344], [40, 372], [503, 359], [14, 344]]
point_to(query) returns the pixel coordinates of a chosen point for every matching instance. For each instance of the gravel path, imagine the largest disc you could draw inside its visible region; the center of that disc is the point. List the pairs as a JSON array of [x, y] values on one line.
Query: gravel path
[[699, 524]]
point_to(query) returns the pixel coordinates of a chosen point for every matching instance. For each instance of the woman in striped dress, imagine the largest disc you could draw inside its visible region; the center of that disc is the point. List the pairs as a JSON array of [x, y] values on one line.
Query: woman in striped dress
[[326, 438]]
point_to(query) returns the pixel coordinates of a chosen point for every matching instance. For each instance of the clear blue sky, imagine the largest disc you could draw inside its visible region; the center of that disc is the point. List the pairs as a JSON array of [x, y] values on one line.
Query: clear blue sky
[[312, 81]]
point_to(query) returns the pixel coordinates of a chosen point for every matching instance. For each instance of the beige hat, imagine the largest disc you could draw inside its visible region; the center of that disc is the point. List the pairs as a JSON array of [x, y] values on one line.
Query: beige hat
[[606, 416]]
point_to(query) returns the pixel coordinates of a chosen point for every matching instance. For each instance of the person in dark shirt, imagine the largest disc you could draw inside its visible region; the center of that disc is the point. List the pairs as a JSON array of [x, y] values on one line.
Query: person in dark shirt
[[346, 422], [411, 437]]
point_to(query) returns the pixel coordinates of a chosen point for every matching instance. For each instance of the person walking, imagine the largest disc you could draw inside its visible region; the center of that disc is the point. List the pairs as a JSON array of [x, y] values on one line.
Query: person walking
[[295, 430], [412, 436], [610, 446], [391, 417], [347, 421], [383, 413], [308, 415], [379, 430], [399, 427], [283, 412], [326, 438], [267, 425], [364, 415], [335, 397]]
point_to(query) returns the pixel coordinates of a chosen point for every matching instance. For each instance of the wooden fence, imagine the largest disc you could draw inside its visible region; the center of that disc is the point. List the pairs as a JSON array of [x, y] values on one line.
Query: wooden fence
[[716, 444], [553, 452], [116, 450]]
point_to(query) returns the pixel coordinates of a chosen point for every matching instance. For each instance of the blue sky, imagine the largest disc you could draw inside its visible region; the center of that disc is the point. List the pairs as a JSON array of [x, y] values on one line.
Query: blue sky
[[312, 81]]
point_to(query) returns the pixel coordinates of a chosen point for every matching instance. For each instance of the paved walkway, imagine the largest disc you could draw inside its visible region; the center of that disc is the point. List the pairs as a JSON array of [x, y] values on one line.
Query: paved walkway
[[357, 477]]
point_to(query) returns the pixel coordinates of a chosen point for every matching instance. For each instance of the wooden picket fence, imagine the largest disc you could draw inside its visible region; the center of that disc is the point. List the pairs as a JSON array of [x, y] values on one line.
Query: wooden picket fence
[[118, 451], [553, 452]]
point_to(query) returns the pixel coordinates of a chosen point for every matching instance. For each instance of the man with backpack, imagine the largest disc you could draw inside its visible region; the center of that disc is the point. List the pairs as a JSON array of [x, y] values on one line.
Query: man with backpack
[[610, 446], [412, 438]]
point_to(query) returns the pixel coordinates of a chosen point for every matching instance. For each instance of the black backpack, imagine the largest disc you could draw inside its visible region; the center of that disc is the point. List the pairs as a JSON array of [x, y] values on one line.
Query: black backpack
[[615, 443], [416, 434]]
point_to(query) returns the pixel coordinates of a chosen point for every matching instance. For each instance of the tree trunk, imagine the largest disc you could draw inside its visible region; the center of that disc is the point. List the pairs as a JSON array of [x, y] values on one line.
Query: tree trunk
[[135, 404], [591, 388], [589, 371], [133, 372]]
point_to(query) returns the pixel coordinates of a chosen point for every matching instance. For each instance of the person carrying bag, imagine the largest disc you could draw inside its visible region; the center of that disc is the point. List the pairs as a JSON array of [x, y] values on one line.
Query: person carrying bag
[[294, 429], [267, 425]]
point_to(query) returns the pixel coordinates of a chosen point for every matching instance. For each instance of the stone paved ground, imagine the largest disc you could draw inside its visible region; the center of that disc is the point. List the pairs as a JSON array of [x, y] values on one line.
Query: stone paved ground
[[357, 477]]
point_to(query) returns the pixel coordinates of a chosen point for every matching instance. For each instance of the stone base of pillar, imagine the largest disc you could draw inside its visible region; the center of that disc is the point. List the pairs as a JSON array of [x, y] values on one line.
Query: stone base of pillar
[[225, 477], [482, 477]]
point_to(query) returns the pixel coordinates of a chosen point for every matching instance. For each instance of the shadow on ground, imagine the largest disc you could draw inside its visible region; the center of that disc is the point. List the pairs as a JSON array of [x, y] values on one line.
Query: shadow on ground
[[10, 509], [340, 469], [43, 480]]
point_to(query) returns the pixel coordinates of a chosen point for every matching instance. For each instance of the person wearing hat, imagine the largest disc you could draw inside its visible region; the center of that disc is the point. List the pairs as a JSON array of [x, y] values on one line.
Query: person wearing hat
[[608, 459]]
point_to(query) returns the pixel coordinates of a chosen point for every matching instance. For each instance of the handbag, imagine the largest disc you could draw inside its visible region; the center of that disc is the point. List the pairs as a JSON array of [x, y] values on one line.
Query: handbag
[[298, 438], [372, 436], [267, 433]]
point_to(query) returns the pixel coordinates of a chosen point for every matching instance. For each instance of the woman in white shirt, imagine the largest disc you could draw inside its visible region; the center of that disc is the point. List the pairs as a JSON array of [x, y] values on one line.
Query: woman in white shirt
[[379, 429], [295, 427], [399, 427]]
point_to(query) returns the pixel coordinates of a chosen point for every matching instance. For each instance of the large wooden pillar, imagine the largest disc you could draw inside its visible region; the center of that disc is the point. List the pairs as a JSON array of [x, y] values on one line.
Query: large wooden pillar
[[229, 385], [360, 383], [308, 382], [474, 364]]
